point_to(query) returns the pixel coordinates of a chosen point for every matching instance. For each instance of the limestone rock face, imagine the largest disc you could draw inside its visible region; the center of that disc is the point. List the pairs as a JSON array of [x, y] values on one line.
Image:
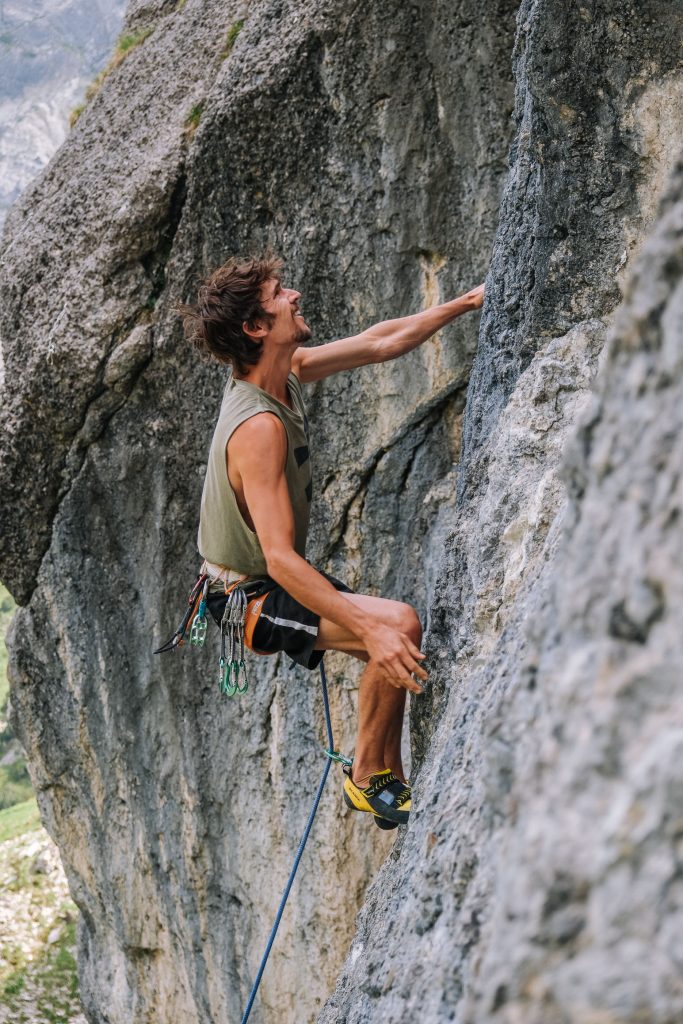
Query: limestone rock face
[[371, 152], [538, 879]]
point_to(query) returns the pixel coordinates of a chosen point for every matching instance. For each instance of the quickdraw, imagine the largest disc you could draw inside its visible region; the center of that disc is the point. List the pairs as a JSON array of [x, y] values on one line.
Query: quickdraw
[[194, 602], [232, 632], [232, 672]]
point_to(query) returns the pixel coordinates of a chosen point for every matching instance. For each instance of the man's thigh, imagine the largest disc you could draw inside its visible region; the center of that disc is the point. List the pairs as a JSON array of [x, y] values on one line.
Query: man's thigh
[[332, 637]]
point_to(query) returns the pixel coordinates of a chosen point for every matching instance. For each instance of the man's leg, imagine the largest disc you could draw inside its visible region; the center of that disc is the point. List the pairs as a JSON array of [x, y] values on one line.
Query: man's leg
[[380, 723], [380, 705], [392, 744]]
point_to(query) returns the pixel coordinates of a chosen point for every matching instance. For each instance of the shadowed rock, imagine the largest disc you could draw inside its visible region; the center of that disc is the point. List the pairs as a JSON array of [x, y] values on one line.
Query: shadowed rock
[[370, 151]]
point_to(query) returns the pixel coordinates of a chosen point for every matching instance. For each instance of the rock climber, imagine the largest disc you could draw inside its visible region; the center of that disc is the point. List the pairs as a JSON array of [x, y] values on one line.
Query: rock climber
[[257, 497]]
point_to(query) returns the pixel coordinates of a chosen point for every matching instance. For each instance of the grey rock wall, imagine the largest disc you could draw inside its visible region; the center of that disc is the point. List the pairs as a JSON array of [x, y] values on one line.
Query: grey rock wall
[[538, 880], [371, 153]]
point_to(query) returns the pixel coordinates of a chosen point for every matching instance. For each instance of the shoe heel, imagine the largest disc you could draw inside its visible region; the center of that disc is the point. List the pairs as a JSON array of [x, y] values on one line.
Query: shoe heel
[[348, 801], [385, 824]]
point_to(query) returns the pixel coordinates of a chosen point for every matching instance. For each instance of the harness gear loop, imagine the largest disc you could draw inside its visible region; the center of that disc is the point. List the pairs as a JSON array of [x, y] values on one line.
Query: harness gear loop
[[232, 667], [199, 623], [194, 600]]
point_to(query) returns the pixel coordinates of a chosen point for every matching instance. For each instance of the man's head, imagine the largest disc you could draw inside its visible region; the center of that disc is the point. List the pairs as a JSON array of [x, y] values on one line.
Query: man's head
[[240, 307]]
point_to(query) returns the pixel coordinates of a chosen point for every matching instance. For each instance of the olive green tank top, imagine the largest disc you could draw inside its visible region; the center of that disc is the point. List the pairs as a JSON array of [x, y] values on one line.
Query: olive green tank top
[[224, 537]]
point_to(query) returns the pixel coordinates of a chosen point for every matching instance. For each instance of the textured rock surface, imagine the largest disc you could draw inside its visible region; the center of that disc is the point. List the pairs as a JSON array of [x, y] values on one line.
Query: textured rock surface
[[538, 881], [372, 155]]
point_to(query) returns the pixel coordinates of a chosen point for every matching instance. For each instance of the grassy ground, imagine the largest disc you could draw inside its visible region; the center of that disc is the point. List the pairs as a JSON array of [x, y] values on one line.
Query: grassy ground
[[7, 608], [19, 819], [48, 991], [38, 980], [15, 784]]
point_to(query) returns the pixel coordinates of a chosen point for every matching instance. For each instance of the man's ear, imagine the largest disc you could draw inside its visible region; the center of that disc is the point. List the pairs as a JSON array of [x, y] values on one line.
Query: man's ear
[[254, 330]]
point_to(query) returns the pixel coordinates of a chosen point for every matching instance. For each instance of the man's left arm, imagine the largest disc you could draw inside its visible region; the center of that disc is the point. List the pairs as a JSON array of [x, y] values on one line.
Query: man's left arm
[[386, 340]]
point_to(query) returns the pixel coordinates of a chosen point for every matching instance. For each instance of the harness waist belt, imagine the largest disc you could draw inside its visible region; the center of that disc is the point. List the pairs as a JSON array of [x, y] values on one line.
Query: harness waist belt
[[221, 573]]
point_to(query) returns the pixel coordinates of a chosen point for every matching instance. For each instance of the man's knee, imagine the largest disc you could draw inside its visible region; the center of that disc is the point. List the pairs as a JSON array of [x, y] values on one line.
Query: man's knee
[[410, 623]]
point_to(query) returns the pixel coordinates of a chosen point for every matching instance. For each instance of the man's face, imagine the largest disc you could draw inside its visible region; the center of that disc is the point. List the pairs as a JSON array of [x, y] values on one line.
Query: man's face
[[289, 325]]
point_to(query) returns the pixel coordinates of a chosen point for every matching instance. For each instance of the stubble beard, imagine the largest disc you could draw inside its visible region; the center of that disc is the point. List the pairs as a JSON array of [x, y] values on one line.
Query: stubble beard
[[303, 333]]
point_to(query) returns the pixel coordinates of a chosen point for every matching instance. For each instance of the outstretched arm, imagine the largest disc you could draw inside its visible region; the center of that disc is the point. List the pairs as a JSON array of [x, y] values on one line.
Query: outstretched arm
[[386, 340]]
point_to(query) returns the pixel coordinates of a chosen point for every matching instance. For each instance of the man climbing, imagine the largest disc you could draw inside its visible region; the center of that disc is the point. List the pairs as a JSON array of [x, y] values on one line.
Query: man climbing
[[257, 496]]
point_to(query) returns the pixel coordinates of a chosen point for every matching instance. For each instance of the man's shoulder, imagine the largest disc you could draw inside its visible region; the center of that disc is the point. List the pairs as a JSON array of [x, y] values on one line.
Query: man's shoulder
[[259, 446], [262, 429]]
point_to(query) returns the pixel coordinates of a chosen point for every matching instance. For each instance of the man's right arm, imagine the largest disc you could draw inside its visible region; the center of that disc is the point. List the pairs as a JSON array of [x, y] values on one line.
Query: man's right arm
[[258, 451], [383, 341]]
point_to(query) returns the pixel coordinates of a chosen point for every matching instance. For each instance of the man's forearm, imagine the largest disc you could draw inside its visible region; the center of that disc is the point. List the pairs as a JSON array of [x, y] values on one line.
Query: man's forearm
[[396, 337], [306, 585]]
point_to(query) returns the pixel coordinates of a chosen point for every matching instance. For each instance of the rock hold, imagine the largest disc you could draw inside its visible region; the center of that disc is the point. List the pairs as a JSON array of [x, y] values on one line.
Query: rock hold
[[537, 880]]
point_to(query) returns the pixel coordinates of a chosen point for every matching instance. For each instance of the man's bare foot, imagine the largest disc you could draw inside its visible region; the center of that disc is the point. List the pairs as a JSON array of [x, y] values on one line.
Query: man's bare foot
[[362, 777]]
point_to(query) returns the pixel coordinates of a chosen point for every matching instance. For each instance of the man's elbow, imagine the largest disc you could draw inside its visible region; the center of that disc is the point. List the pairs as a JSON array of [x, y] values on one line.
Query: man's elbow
[[279, 563], [381, 350], [393, 345]]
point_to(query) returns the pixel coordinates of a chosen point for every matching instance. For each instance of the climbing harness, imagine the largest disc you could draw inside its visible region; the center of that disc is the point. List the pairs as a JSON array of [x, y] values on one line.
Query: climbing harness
[[332, 755], [232, 667]]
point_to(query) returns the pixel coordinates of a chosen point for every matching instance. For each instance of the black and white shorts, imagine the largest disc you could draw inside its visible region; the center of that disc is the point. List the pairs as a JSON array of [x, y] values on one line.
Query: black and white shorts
[[276, 622]]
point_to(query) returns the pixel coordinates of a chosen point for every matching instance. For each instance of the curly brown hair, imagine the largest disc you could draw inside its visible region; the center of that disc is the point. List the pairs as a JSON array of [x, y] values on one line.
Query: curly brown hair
[[226, 299]]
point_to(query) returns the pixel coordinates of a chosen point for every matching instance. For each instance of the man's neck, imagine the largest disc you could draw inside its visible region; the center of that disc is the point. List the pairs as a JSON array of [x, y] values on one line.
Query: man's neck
[[271, 374]]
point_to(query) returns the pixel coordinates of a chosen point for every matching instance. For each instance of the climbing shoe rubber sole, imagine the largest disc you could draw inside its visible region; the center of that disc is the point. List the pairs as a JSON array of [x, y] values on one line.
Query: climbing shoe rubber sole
[[385, 796], [382, 823]]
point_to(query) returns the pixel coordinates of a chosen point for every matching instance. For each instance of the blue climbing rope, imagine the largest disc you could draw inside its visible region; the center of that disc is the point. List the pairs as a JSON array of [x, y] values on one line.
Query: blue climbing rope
[[332, 755]]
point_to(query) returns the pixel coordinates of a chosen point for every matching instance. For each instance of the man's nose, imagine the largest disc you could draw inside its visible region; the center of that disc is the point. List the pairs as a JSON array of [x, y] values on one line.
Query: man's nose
[[294, 295]]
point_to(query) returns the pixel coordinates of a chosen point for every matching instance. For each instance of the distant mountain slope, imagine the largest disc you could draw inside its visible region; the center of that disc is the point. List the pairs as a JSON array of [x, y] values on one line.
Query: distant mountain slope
[[49, 51], [539, 880]]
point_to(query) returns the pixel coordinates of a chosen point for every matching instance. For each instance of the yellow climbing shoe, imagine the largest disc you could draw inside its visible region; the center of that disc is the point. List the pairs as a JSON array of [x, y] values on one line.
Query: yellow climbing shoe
[[385, 796]]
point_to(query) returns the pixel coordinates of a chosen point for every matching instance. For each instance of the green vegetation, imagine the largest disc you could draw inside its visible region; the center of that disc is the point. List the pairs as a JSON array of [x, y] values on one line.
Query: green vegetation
[[75, 114], [193, 118], [125, 44], [38, 979], [15, 821], [15, 784], [179, 6], [51, 982], [195, 114], [14, 984], [233, 33], [7, 609], [130, 40], [57, 972]]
